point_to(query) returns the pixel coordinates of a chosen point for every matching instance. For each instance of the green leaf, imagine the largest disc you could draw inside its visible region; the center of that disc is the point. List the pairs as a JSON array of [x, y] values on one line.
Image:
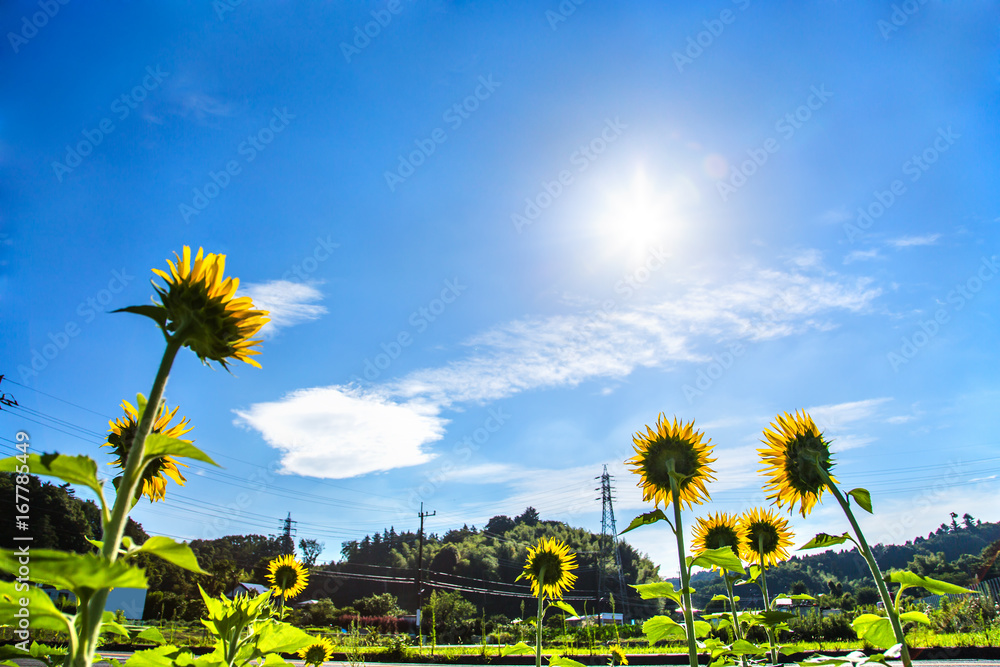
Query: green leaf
[[42, 613], [158, 445], [151, 635], [822, 540], [797, 596], [877, 630], [702, 629], [161, 656], [775, 617], [909, 579], [646, 519], [76, 572], [156, 313], [721, 598], [862, 498], [661, 627], [661, 589], [723, 557], [72, 469], [565, 606], [915, 617], [743, 647], [519, 647], [563, 661], [277, 637], [173, 552], [114, 628]]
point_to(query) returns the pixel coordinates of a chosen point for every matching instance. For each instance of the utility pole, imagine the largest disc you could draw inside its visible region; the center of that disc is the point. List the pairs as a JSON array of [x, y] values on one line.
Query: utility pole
[[420, 564]]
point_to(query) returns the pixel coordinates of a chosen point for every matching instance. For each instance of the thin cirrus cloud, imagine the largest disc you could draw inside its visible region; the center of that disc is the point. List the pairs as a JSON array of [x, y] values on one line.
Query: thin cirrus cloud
[[911, 241], [538, 353], [288, 303]]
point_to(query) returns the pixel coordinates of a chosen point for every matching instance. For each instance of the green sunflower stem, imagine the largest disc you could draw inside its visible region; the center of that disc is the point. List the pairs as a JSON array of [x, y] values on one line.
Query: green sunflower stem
[[685, 574], [767, 602], [737, 630], [890, 609], [114, 528], [538, 619]]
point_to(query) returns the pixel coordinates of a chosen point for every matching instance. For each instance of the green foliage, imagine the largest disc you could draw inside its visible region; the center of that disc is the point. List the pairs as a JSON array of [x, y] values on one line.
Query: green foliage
[[450, 616], [384, 604]]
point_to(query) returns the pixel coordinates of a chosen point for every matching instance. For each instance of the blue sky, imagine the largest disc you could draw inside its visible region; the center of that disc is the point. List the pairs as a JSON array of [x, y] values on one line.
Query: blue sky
[[552, 221]]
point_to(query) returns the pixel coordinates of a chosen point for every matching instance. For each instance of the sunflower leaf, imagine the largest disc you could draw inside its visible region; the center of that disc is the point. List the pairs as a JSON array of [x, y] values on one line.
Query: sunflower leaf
[[72, 469], [661, 627], [282, 637], [796, 596], [42, 613], [723, 557], [909, 579], [877, 630], [823, 540], [563, 661], [661, 589], [646, 519], [156, 313], [915, 617], [702, 629], [158, 445], [775, 617], [862, 498], [519, 647], [173, 552], [74, 571], [743, 647], [151, 635], [565, 606]]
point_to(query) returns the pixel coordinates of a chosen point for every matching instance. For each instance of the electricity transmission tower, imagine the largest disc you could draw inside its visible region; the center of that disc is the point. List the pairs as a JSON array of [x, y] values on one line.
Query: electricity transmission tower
[[609, 545], [288, 534]]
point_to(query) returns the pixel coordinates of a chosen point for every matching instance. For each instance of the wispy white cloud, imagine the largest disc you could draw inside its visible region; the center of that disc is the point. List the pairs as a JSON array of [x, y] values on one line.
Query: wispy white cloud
[[838, 415], [862, 256], [338, 432], [910, 241], [537, 353], [288, 303]]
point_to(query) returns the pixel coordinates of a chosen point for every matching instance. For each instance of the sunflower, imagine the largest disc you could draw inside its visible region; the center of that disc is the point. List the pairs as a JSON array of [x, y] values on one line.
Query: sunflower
[[198, 306], [797, 462], [286, 576], [618, 655], [318, 652], [767, 537], [557, 562], [718, 531], [676, 446], [121, 435]]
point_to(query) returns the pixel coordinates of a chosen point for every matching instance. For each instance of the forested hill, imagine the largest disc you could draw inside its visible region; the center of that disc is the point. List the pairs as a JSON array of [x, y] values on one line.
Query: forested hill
[[963, 551], [484, 563]]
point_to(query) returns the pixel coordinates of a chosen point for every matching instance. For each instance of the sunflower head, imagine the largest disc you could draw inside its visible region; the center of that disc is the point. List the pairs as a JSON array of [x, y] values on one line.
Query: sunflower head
[[672, 447], [318, 652], [286, 576], [549, 568], [618, 655], [767, 537], [198, 305], [796, 461], [122, 433], [718, 531]]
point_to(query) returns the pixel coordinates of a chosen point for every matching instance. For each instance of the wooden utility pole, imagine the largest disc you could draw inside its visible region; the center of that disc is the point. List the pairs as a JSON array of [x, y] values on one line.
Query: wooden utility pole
[[420, 563]]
